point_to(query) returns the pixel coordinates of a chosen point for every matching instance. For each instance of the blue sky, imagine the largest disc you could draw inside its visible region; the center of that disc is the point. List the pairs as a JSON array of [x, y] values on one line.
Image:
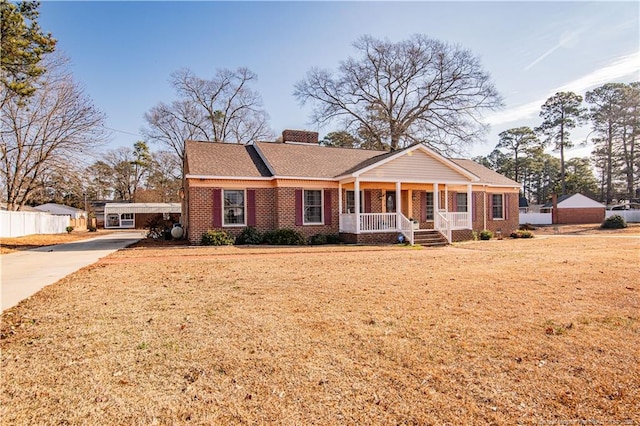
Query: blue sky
[[124, 52]]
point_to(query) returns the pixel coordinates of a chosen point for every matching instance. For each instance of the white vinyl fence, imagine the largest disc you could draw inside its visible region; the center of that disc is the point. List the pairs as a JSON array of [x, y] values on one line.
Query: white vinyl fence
[[18, 224], [628, 215], [535, 218]]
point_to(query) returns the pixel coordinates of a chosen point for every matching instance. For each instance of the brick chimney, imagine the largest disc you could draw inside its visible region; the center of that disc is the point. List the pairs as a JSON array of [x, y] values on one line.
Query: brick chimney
[[300, 136]]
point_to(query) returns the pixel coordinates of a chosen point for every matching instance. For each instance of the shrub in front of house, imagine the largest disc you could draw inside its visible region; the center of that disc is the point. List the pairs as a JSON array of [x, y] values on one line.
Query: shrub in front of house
[[614, 222], [92, 228], [284, 237], [522, 234], [216, 238], [318, 239], [69, 229], [485, 234], [333, 239], [249, 235]]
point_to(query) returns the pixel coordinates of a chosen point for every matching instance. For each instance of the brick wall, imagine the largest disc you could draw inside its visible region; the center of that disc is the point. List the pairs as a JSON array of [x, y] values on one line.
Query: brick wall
[[286, 214], [378, 238], [200, 208], [576, 216], [300, 136]]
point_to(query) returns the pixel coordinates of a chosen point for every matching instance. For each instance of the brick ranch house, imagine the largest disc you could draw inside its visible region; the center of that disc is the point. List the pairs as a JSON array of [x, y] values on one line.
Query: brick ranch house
[[301, 185]]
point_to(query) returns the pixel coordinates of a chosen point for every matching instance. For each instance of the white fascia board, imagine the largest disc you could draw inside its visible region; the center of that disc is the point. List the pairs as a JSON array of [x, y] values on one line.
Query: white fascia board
[[228, 177], [259, 178], [263, 158], [306, 178]]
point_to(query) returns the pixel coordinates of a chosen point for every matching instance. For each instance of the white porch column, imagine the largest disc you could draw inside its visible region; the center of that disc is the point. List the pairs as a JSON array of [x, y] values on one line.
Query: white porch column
[[356, 199], [470, 206], [436, 199], [446, 198], [340, 198], [398, 203]]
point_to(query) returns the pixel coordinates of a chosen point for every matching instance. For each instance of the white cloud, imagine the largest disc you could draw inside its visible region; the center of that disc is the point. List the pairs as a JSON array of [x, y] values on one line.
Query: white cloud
[[620, 67]]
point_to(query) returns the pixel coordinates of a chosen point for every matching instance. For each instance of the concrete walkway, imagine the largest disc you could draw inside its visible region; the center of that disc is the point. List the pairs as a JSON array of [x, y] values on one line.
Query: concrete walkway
[[24, 273]]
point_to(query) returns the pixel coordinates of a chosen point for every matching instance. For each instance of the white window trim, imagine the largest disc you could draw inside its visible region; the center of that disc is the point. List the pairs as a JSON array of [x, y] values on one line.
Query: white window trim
[[234, 225], [502, 207], [304, 221], [354, 199]]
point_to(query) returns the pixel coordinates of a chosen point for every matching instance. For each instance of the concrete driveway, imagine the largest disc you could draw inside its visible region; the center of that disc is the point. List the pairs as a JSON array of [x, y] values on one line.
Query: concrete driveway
[[24, 273]]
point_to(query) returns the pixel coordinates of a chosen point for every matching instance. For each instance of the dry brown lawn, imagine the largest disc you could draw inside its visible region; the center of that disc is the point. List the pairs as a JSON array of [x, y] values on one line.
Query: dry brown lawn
[[10, 245], [541, 331]]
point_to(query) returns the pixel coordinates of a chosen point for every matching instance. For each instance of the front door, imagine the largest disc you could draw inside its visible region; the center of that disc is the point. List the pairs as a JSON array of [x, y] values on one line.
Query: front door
[[390, 201], [391, 204]]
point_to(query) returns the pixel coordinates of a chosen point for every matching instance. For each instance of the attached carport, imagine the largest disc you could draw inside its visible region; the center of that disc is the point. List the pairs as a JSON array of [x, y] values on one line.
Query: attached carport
[[136, 215]]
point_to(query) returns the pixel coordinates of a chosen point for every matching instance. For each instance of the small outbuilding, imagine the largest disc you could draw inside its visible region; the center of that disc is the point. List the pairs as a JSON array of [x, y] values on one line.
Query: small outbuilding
[[136, 215], [62, 210], [575, 209]]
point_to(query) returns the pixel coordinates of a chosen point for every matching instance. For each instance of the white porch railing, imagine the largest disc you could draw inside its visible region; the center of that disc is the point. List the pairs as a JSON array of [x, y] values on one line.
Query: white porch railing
[[443, 224], [370, 223], [377, 222], [406, 227]]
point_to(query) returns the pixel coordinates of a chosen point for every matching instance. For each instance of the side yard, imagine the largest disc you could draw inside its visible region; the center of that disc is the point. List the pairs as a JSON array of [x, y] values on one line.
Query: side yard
[[540, 331]]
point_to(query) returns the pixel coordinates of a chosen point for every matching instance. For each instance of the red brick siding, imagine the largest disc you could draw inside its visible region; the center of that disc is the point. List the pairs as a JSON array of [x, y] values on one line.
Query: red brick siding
[[300, 136], [506, 226], [575, 216], [200, 208], [380, 238], [286, 214]]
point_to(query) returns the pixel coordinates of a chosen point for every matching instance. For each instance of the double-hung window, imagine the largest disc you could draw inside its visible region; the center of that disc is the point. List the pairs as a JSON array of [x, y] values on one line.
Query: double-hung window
[[497, 206], [351, 202], [312, 206], [234, 207], [461, 202]]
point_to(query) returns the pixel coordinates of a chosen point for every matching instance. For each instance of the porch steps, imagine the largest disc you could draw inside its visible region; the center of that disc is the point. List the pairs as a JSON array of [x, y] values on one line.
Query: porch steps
[[429, 238]]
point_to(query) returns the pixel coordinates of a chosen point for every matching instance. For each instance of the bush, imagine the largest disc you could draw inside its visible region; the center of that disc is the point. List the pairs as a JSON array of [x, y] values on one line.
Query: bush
[[158, 226], [614, 222], [333, 239], [318, 239], [249, 235], [486, 234], [522, 234], [92, 228], [284, 237], [216, 238], [69, 229]]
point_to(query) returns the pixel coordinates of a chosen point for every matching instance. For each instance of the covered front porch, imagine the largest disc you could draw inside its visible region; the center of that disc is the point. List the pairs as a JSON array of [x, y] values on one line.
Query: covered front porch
[[403, 208]]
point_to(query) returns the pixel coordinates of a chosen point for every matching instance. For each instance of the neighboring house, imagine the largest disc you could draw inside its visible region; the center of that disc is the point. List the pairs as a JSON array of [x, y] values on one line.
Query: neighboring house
[[136, 215], [574, 209], [523, 205], [62, 210], [25, 208], [301, 185]]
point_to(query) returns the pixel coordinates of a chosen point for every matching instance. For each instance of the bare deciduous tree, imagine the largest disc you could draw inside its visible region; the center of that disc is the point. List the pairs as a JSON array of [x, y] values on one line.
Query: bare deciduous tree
[[222, 109], [46, 130], [417, 90]]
